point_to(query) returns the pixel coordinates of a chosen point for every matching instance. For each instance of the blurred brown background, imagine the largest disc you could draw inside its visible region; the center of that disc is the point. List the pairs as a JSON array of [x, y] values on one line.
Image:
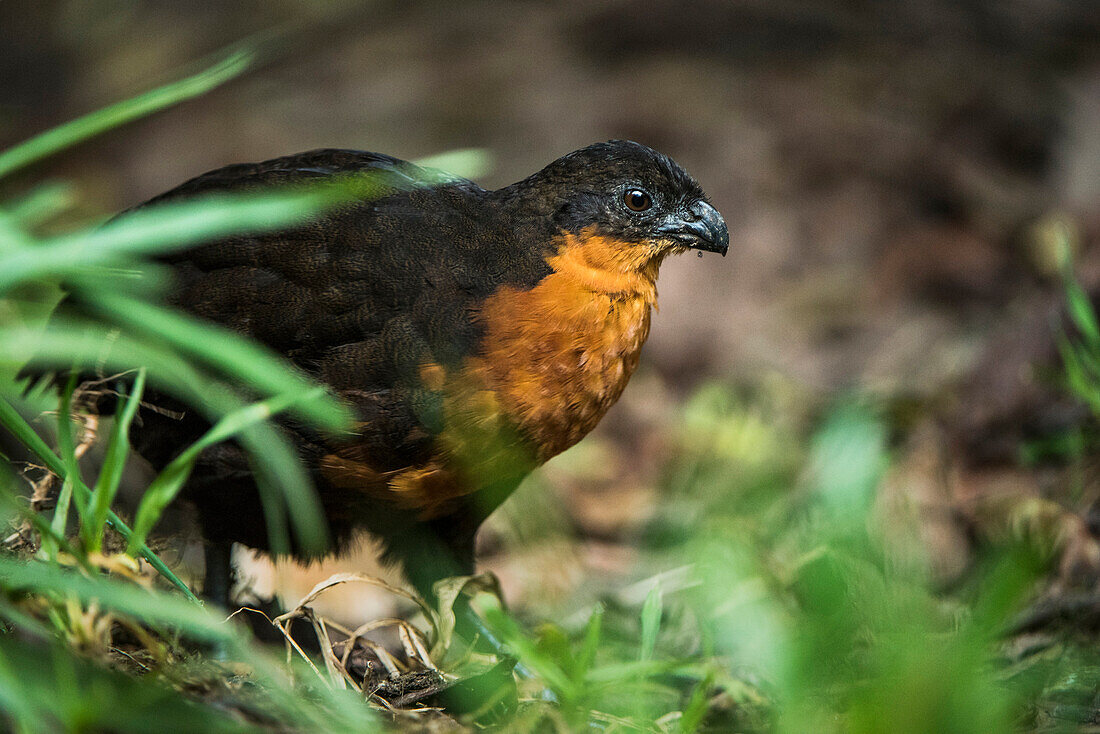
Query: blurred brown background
[[890, 172]]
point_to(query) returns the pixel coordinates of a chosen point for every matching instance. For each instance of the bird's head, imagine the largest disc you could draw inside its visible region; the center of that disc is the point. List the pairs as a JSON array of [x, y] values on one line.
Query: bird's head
[[629, 200]]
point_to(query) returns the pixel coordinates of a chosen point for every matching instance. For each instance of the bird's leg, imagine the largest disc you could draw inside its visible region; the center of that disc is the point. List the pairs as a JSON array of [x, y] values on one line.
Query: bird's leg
[[440, 555], [218, 579], [457, 555]]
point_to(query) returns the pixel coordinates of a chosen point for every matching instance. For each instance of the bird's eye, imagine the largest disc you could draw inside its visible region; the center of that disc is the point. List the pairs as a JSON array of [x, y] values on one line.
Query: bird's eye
[[637, 200]]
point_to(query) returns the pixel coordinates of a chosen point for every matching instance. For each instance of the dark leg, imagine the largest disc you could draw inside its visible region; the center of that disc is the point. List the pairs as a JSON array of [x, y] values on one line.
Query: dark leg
[[218, 580], [455, 557]]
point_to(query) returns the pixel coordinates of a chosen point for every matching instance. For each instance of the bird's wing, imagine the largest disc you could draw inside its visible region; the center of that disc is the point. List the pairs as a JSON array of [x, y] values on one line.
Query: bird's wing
[[364, 297], [359, 297], [302, 167], [336, 279], [374, 299], [366, 294]]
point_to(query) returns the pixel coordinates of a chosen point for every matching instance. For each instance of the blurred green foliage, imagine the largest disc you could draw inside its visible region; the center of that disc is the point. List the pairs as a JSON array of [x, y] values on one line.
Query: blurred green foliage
[[783, 604], [801, 610], [71, 596]]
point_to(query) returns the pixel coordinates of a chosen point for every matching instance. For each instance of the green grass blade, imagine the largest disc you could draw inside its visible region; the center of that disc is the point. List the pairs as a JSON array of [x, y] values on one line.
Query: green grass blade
[[18, 708], [124, 597], [239, 358], [65, 443], [160, 229], [94, 123], [1082, 313], [42, 203], [106, 351], [110, 474], [629, 672], [696, 708], [26, 435], [848, 459], [281, 480], [651, 621], [1077, 378], [275, 507], [528, 653], [286, 490], [464, 162], [60, 521], [67, 692], [1090, 362], [49, 535], [586, 656], [14, 422], [168, 483], [12, 235]]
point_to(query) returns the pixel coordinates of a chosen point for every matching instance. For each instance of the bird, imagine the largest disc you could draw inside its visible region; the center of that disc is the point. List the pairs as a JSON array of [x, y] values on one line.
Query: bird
[[473, 333]]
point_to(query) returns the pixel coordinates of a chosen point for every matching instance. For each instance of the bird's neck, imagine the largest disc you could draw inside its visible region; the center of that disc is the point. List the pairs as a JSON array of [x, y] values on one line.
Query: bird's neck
[[558, 355], [608, 266]]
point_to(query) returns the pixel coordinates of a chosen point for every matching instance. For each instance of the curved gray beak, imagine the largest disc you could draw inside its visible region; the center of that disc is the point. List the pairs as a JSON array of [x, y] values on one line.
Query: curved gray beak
[[699, 226]]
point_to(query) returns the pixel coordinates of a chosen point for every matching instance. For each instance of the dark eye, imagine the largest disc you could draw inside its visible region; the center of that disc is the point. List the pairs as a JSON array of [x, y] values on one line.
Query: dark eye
[[637, 200]]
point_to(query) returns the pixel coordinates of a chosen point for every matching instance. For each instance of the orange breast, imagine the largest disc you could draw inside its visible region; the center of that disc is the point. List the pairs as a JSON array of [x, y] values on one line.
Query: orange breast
[[559, 355], [553, 360]]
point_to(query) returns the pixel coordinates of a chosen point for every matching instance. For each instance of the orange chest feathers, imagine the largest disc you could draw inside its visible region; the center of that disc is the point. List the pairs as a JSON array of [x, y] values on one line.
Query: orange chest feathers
[[558, 356], [553, 359]]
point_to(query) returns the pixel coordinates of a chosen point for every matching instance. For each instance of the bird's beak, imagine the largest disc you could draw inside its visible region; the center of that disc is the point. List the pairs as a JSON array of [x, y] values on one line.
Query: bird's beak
[[700, 226]]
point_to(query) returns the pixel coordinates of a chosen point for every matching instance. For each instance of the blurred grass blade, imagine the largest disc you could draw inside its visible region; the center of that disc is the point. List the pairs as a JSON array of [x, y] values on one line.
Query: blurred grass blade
[[50, 537], [60, 521], [14, 422], [242, 359], [94, 123], [66, 692], [1082, 313], [696, 708], [847, 461], [110, 474], [1086, 388], [65, 443], [464, 162], [524, 649], [125, 597], [275, 507], [43, 202], [651, 621], [280, 477], [19, 709], [100, 349], [12, 235], [630, 672], [168, 483], [160, 229], [586, 656], [285, 488]]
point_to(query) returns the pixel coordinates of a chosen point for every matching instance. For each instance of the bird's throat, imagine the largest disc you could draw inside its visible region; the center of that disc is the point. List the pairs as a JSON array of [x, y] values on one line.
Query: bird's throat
[[608, 266], [558, 355], [552, 360]]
